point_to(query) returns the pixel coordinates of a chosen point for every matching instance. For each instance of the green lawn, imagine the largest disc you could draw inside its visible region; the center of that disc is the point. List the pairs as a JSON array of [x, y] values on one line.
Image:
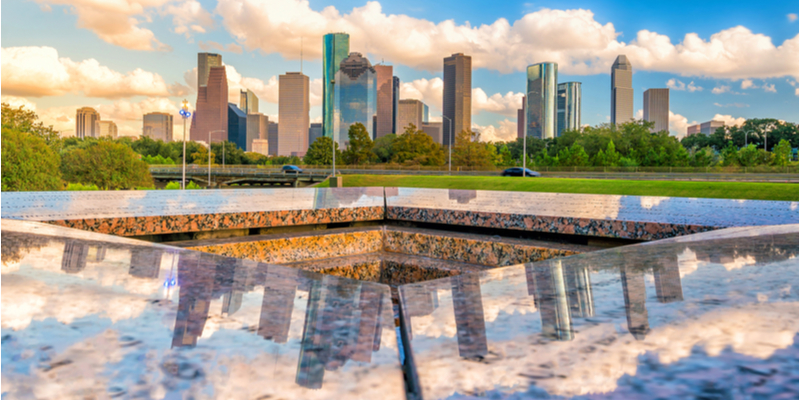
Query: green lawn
[[723, 190]]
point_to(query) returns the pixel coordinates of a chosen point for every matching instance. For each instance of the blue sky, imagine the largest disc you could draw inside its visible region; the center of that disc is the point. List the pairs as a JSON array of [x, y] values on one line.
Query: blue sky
[[128, 57]]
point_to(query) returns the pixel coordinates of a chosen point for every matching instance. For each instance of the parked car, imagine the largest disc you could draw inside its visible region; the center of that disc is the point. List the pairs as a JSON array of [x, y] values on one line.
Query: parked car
[[291, 169], [517, 171]]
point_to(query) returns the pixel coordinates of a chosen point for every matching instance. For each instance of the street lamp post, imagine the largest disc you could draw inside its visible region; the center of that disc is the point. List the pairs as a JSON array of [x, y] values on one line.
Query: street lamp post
[[333, 139], [184, 112], [450, 147], [209, 153]]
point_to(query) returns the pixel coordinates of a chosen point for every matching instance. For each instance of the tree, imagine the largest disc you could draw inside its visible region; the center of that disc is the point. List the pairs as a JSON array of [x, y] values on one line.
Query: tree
[[108, 165], [782, 153], [503, 154], [747, 156], [253, 158], [359, 149], [415, 147], [575, 156], [28, 163], [319, 153], [468, 150], [23, 120], [200, 156], [382, 147]]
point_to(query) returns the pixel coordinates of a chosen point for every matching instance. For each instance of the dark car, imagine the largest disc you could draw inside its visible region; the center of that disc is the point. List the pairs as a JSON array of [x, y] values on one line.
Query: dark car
[[291, 169], [517, 171]]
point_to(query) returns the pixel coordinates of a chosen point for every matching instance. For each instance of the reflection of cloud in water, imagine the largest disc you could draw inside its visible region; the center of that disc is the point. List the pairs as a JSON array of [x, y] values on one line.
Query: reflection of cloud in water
[[738, 262], [687, 262], [649, 202]]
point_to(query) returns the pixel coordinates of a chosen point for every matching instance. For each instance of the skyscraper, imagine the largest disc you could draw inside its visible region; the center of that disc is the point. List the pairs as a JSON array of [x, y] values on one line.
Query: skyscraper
[[521, 120], [385, 115], [355, 100], [85, 122], [211, 112], [237, 126], [335, 48], [540, 110], [656, 109], [569, 107], [396, 97], [410, 111], [248, 102], [457, 94], [257, 128], [621, 90], [157, 126], [204, 63], [434, 130], [293, 107], [106, 128], [314, 132], [272, 137]]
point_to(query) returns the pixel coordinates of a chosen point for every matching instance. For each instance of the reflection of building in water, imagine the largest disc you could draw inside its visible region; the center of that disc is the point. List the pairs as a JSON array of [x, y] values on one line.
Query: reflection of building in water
[[391, 192], [196, 289], [635, 295], [424, 300], [342, 322], [579, 287], [145, 262], [97, 253], [280, 289], [668, 281], [551, 292], [243, 281], [74, 259], [470, 324], [462, 196]]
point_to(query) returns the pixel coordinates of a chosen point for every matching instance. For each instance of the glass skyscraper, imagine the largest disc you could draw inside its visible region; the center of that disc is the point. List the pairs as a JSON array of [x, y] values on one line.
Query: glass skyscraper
[[335, 48], [540, 107], [355, 96], [569, 107]]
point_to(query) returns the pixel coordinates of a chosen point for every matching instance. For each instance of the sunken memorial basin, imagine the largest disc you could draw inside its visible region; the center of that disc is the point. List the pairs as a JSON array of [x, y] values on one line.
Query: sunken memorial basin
[[388, 293]]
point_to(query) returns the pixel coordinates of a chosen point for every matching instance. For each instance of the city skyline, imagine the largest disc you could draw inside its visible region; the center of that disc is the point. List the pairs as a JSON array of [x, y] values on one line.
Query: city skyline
[[145, 81]]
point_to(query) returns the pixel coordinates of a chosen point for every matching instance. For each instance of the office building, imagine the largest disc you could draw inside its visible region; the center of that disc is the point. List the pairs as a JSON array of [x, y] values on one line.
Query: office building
[[656, 109], [261, 146], [106, 128], [314, 132], [204, 63], [410, 111], [157, 126], [248, 102], [540, 110], [384, 80], [335, 48], [237, 126], [521, 119], [396, 97], [568, 115], [293, 108], [621, 90], [706, 128], [434, 130], [86, 122], [211, 111], [457, 94], [272, 137], [355, 98], [257, 128]]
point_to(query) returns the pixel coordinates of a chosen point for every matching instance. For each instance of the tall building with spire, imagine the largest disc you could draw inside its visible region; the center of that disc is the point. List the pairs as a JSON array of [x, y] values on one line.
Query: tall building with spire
[[86, 122], [621, 90], [211, 111], [540, 104], [385, 116], [457, 94], [335, 48]]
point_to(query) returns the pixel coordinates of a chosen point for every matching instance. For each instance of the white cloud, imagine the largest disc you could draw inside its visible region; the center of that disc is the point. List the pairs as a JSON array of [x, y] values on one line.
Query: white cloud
[[572, 38], [678, 124], [503, 133], [721, 89], [737, 105], [791, 17], [16, 102], [38, 71], [189, 16], [675, 84], [429, 91], [768, 87], [729, 120], [747, 83], [212, 45]]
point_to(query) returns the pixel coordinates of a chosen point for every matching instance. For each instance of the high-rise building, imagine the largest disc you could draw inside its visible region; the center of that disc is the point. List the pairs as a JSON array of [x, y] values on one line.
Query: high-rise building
[[396, 97], [272, 137], [106, 128], [355, 98], [706, 128], [385, 116], [211, 112], [569, 107], [540, 110], [434, 130], [86, 122], [257, 128], [261, 146], [521, 119], [621, 90], [410, 111], [335, 48], [158, 126], [457, 94], [237, 126], [248, 102], [204, 63], [656, 109], [314, 132], [293, 107]]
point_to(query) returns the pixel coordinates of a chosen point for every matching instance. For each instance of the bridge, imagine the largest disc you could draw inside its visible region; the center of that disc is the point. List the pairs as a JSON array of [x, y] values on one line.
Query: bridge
[[229, 176]]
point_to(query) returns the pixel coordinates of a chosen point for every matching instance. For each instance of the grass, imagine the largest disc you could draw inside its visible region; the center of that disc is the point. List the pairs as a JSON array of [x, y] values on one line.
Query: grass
[[720, 190]]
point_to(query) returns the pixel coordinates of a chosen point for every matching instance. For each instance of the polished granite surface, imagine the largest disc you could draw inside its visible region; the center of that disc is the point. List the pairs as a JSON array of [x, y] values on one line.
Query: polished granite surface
[[711, 316], [629, 217], [87, 315]]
